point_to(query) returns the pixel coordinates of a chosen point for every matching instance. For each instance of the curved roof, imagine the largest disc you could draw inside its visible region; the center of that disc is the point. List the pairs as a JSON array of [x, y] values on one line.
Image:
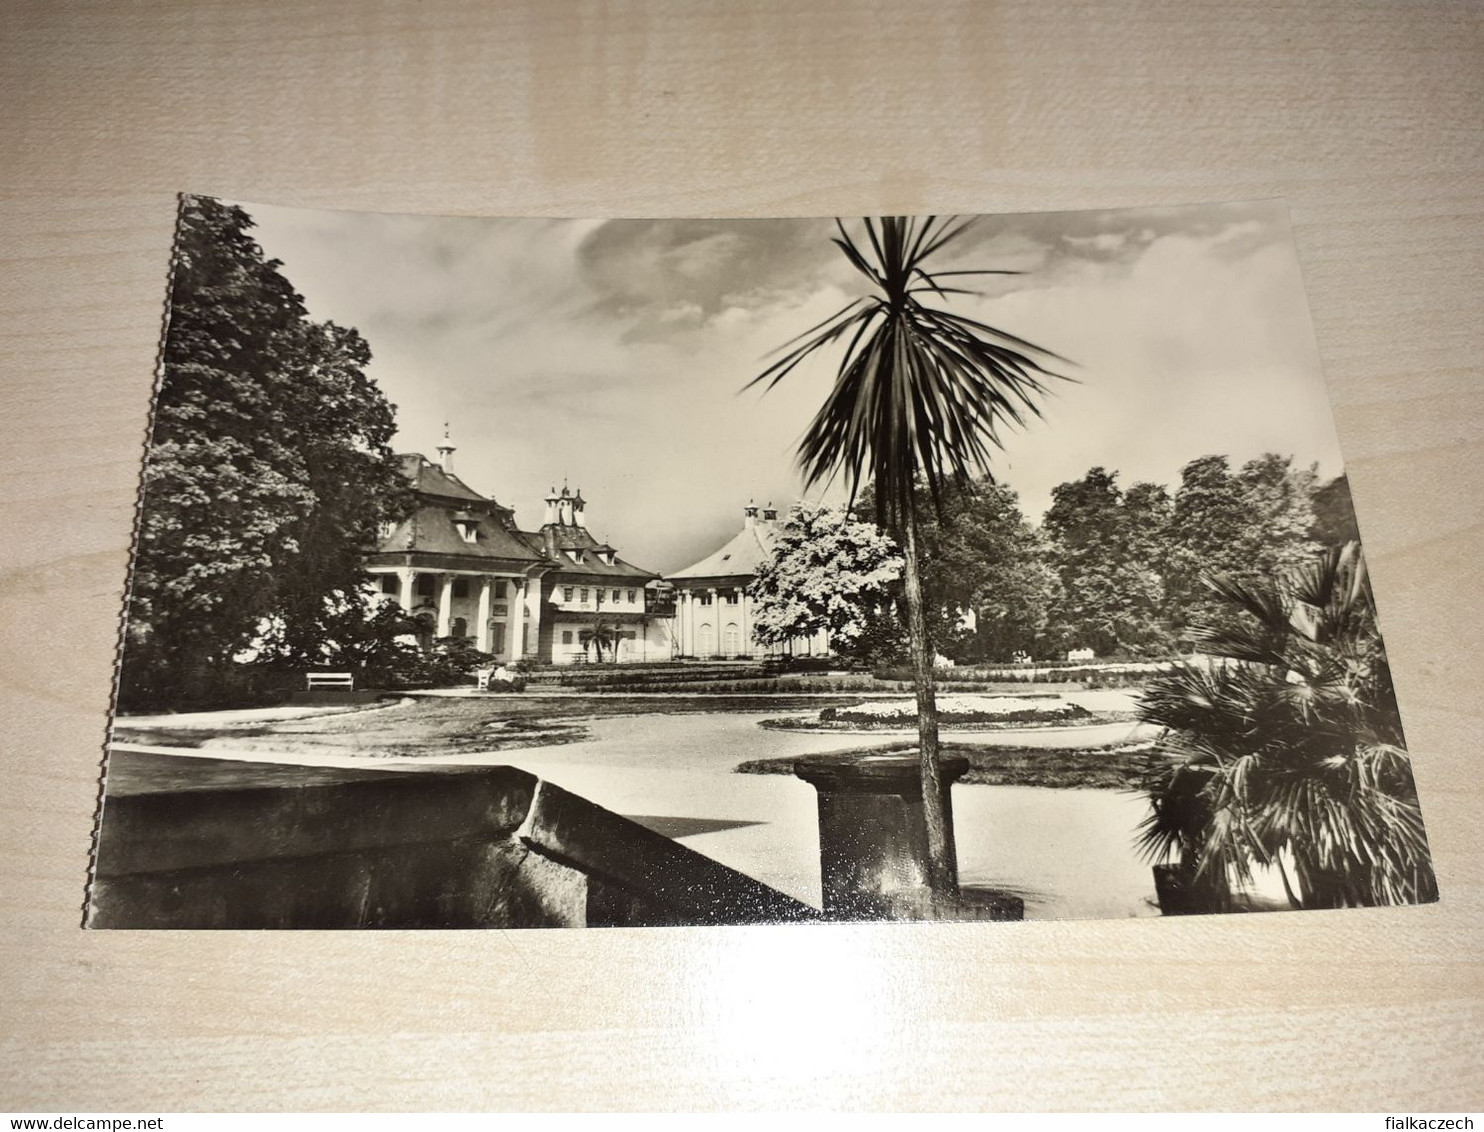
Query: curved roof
[[747, 550]]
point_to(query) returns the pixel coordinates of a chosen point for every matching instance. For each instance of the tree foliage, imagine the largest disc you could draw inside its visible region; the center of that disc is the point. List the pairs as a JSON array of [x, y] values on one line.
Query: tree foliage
[[1288, 753], [1334, 513], [267, 475], [987, 587], [1251, 525], [1131, 563], [828, 573], [1109, 550]]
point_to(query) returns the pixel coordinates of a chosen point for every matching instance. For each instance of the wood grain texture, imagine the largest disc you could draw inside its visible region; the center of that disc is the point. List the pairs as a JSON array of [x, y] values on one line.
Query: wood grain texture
[[1369, 118]]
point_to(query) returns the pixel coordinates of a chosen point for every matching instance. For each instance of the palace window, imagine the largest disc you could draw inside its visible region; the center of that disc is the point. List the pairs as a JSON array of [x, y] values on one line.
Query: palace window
[[460, 628], [389, 583], [469, 530], [461, 589], [427, 585], [566, 593], [616, 597], [500, 588], [631, 597], [582, 596], [706, 598], [731, 597], [566, 636]]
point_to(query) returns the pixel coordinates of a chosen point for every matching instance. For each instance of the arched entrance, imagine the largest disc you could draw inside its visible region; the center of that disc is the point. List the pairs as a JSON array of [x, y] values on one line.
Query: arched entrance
[[705, 639], [731, 639]]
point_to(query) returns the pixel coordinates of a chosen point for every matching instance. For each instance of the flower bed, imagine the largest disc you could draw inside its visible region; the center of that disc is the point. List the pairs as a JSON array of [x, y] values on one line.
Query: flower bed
[[956, 710], [1117, 767]]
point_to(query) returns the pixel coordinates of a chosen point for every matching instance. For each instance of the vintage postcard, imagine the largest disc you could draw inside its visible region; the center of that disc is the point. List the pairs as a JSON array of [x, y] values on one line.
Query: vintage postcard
[[565, 573]]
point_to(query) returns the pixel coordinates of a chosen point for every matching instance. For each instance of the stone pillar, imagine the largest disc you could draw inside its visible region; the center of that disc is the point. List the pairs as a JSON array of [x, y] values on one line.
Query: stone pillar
[[407, 577], [716, 624], [532, 606], [873, 850], [744, 626], [483, 636], [445, 605], [516, 627]]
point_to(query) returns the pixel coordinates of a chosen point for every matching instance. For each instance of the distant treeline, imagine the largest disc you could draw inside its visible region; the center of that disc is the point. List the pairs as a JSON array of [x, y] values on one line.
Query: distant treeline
[[1119, 570]]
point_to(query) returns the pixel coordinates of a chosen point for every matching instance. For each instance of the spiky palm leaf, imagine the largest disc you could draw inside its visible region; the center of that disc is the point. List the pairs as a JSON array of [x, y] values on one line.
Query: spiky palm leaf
[[1289, 748], [920, 392]]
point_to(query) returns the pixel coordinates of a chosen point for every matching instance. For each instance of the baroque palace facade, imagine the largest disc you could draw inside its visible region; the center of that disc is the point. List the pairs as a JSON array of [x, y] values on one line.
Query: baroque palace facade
[[713, 612], [461, 567]]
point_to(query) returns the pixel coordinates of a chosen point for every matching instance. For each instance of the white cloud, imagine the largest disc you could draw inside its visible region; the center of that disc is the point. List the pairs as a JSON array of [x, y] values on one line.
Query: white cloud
[[612, 354]]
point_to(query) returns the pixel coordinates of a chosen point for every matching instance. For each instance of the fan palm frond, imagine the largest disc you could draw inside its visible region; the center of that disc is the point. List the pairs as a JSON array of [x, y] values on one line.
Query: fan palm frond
[[1287, 747]]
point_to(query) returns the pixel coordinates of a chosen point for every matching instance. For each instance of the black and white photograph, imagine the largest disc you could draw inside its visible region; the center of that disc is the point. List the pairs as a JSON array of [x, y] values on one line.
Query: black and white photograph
[[516, 573]]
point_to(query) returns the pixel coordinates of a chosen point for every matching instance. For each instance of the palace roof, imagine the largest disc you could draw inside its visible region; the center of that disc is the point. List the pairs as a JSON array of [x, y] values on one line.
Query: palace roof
[[435, 529], [453, 520], [430, 479], [575, 551], [741, 556]]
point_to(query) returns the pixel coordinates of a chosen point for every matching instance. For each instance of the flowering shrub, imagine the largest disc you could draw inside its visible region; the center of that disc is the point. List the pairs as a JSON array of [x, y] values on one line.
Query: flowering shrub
[[958, 709]]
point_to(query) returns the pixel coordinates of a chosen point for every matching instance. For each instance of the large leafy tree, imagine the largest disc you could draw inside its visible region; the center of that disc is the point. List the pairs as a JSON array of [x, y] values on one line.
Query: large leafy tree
[[1288, 752], [986, 583], [920, 393], [1248, 525], [1108, 549], [1334, 513], [267, 475], [828, 573]]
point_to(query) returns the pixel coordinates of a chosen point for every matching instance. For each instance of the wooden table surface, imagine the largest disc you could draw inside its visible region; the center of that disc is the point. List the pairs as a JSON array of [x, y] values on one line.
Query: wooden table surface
[[1368, 118]]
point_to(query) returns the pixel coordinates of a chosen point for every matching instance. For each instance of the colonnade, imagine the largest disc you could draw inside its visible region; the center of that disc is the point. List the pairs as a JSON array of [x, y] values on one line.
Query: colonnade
[[692, 616], [518, 586]]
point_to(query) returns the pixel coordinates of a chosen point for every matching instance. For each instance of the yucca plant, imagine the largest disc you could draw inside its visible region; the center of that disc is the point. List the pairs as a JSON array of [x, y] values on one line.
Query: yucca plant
[[1287, 750], [920, 395]]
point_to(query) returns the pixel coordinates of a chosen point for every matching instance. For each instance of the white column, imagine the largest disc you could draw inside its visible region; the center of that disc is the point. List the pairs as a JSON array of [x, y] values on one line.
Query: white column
[[532, 606], [408, 579], [744, 629], [445, 605], [716, 627], [516, 627], [483, 634]]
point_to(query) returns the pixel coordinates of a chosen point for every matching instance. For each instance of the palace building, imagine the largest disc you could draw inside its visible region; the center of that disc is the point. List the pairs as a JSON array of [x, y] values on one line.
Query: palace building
[[461, 567], [713, 613]]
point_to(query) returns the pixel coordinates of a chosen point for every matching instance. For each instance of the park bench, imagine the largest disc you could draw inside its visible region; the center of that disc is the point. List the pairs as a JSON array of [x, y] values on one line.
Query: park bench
[[317, 680]]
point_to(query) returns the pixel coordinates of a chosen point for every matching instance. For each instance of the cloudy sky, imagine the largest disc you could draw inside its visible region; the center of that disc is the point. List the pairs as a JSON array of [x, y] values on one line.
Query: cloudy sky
[[612, 354]]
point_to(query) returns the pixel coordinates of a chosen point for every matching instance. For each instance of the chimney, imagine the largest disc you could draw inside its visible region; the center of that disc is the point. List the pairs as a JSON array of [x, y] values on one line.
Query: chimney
[[551, 508], [770, 513], [564, 507], [578, 506], [749, 514], [446, 451]]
